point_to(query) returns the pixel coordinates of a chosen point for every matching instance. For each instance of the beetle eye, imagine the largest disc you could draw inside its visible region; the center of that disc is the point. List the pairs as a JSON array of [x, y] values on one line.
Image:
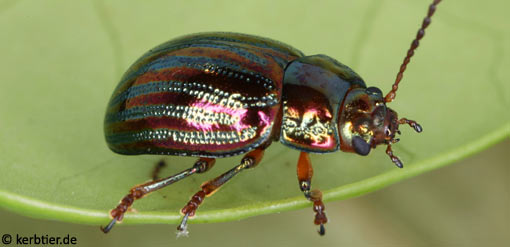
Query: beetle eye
[[374, 90], [360, 146]]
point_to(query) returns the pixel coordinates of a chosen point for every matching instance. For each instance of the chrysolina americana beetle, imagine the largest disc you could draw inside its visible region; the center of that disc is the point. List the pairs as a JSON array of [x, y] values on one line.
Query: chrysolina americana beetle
[[214, 95]]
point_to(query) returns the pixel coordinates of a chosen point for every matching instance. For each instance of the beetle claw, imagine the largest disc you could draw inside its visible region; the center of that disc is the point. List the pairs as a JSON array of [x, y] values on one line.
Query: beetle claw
[[110, 225], [322, 230], [182, 229], [182, 232]]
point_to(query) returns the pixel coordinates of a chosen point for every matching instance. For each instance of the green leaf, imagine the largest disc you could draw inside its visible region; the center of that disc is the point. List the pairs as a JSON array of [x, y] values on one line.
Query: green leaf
[[61, 61]]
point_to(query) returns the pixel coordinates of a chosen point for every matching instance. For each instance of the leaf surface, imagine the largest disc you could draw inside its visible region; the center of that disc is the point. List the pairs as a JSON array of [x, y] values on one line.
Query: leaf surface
[[61, 61]]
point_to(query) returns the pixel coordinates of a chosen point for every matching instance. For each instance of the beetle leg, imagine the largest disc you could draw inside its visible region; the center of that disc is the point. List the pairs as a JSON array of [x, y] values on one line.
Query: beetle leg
[[305, 173], [139, 191], [208, 188], [157, 169], [416, 126], [394, 158]]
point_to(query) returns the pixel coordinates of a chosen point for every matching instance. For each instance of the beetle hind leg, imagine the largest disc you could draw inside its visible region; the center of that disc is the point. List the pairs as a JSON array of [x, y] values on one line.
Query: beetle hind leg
[[139, 191], [208, 188], [305, 173]]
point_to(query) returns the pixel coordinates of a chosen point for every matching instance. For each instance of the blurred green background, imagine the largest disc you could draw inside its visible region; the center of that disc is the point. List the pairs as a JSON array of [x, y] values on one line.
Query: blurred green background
[[52, 148], [465, 204]]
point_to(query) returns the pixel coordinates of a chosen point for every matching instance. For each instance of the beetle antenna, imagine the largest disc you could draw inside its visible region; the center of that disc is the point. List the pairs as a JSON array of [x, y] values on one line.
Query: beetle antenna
[[421, 32]]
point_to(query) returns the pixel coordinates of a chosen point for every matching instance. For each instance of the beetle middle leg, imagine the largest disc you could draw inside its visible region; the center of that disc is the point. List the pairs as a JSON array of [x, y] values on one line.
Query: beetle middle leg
[[208, 188], [305, 173], [139, 191]]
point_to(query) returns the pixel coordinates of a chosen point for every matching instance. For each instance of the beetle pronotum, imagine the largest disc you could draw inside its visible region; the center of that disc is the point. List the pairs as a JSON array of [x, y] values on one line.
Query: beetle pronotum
[[214, 95]]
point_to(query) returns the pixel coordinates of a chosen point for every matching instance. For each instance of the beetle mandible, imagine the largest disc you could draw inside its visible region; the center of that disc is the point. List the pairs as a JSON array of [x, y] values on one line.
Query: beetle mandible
[[214, 95]]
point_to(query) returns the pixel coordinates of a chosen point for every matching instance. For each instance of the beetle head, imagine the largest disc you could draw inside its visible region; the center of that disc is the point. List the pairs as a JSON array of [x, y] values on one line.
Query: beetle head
[[366, 122]]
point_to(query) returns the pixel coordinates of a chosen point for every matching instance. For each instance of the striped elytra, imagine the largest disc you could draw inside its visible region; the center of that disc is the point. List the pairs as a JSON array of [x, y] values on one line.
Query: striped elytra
[[223, 94], [207, 95], [213, 95]]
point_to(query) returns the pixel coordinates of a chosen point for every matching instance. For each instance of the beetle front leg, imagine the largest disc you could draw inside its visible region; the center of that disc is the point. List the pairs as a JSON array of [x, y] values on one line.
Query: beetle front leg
[[208, 188], [139, 191], [305, 174]]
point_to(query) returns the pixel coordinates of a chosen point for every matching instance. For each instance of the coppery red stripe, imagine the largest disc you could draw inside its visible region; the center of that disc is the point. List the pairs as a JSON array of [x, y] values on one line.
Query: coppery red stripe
[[159, 99], [168, 74], [226, 55]]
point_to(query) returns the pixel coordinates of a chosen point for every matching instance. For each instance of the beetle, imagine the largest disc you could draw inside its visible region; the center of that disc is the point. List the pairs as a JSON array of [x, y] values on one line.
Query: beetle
[[214, 95]]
